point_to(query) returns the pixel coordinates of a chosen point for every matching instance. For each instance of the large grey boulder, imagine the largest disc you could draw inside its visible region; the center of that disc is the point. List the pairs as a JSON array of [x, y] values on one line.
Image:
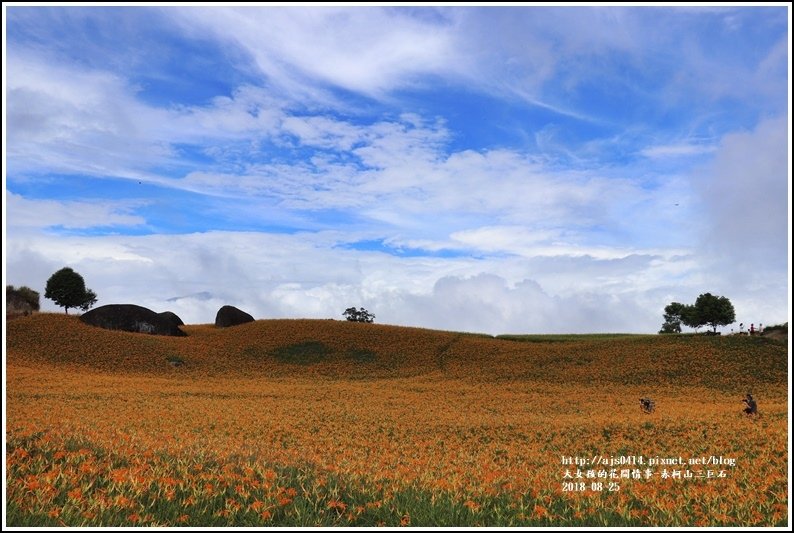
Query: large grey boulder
[[134, 318], [229, 315]]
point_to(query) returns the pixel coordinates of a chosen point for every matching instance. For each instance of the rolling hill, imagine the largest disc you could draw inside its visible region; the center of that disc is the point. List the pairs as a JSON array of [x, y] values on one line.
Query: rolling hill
[[332, 349]]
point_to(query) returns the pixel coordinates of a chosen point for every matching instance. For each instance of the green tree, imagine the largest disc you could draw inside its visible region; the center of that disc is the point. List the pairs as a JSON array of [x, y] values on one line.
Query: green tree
[[708, 310], [67, 289], [355, 315], [713, 311]]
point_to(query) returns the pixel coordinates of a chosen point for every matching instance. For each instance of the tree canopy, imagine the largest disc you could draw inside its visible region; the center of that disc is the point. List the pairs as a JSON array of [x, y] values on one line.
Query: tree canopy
[[712, 311], [356, 315], [708, 310], [67, 289]]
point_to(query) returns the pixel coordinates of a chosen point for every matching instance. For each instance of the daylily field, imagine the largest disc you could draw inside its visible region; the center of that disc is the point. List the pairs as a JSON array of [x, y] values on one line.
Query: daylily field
[[330, 423]]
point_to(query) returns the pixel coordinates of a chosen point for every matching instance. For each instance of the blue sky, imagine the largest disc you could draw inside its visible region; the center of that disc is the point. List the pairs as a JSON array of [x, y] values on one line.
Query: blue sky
[[513, 169]]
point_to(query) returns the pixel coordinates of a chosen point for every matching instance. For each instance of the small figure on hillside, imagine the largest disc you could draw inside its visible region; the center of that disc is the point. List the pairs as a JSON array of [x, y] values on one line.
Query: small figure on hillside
[[741, 328], [751, 408], [647, 405], [752, 329]]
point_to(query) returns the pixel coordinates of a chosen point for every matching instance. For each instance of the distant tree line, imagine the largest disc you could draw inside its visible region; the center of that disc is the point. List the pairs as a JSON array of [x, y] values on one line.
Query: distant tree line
[[708, 310]]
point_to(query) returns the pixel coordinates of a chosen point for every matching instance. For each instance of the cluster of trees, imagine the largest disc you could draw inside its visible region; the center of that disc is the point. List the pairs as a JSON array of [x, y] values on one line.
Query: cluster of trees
[[356, 315], [708, 310]]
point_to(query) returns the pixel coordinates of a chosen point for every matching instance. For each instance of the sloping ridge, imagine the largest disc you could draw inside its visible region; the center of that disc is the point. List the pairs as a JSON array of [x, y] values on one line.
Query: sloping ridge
[[346, 350]]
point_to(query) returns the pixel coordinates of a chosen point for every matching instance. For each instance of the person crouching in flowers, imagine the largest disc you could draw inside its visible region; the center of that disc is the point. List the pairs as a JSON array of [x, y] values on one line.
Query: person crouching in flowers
[[647, 405], [751, 408]]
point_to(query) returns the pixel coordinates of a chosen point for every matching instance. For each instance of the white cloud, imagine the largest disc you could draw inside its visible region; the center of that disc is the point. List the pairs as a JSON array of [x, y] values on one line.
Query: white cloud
[[746, 194], [249, 112], [502, 238], [369, 50], [307, 275], [322, 132], [401, 174], [602, 247], [70, 214], [487, 303], [676, 150], [67, 119], [315, 275]]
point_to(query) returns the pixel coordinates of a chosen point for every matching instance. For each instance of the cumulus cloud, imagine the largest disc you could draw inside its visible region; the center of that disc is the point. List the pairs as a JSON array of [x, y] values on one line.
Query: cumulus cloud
[[746, 194], [307, 275], [488, 303]]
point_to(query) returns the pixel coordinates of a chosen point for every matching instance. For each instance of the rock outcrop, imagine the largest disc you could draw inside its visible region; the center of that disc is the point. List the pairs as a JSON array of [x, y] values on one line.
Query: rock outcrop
[[134, 318], [173, 317], [229, 315]]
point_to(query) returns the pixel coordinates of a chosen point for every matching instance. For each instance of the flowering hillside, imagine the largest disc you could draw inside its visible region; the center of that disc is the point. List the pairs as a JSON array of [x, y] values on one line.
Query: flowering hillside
[[312, 422]]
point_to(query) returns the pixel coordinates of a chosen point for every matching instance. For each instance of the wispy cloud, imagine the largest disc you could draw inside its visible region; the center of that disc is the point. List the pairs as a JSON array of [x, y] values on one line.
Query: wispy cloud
[[66, 119], [71, 214], [676, 150], [371, 51]]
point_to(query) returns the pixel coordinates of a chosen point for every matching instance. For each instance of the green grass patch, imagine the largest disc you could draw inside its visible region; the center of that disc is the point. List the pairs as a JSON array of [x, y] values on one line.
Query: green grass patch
[[302, 353], [361, 355]]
